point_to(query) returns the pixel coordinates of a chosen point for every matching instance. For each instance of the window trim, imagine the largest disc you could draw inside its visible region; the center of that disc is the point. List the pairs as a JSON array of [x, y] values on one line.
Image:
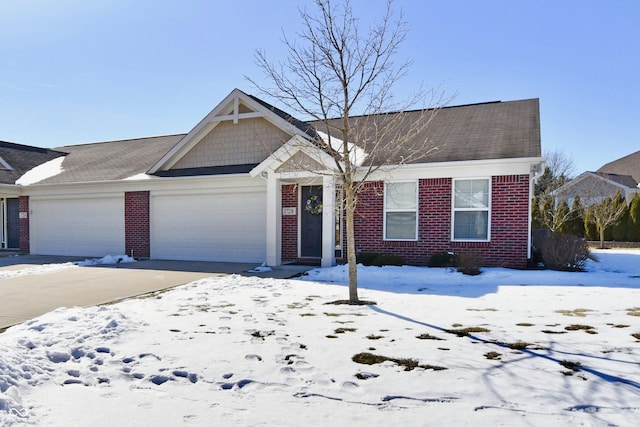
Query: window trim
[[385, 210], [454, 209]]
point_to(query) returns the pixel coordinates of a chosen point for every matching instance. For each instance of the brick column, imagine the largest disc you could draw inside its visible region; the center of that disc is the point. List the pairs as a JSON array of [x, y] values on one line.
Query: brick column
[[136, 224], [23, 208]]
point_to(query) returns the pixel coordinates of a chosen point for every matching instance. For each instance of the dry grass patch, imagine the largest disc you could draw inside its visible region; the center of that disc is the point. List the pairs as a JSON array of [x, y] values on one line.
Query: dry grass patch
[[588, 329], [408, 364], [578, 312], [374, 337], [636, 336], [465, 332], [493, 355], [429, 337], [296, 305], [572, 366], [525, 324], [343, 330], [635, 311]]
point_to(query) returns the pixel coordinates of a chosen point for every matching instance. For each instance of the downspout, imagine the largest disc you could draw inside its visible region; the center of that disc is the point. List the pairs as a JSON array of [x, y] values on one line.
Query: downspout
[[537, 170]]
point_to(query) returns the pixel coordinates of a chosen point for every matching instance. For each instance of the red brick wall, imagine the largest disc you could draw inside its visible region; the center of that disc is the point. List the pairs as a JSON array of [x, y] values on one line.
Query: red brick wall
[[136, 224], [509, 223], [290, 224], [23, 208]]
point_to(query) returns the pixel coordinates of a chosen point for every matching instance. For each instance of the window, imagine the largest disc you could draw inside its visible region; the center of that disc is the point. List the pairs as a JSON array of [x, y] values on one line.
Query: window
[[471, 209], [401, 211]]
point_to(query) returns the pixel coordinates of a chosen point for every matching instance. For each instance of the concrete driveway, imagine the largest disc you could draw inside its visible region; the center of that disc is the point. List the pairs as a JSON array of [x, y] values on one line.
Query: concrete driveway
[[27, 296]]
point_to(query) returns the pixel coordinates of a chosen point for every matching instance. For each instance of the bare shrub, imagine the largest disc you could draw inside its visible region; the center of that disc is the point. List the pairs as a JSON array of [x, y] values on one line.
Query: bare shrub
[[564, 252]]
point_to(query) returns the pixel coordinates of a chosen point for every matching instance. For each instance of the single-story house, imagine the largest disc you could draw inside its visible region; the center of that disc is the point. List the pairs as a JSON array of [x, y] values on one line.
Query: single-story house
[[243, 185], [621, 175]]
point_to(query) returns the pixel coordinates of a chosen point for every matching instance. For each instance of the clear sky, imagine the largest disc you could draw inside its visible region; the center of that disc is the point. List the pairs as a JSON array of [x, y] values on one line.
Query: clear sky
[[77, 71]]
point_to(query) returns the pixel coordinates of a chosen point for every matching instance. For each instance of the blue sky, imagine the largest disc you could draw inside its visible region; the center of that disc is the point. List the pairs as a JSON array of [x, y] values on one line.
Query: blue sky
[[77, 71]]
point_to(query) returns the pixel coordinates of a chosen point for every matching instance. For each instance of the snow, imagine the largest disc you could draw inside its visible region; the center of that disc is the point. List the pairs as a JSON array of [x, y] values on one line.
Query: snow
[[108, 259], [240, 350], [50, 268], [42, 172], [261, 269], [138, 177]]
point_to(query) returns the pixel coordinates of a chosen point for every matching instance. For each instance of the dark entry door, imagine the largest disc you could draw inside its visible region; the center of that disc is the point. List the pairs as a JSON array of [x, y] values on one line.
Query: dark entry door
[[13, 224], [311, 222]]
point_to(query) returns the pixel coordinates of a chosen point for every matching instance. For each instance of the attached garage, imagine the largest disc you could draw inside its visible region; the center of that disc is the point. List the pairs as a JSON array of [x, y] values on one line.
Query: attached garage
[[214, 224], [90, 226]]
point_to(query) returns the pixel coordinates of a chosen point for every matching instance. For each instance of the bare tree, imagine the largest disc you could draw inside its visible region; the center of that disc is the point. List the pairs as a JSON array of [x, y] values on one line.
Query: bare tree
[[606, 213], [559, 169], [547, 215], [335, 70]]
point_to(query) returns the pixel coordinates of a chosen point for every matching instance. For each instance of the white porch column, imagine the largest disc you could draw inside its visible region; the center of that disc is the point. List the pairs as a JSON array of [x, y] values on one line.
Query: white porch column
[[274, 220], [328, 221]]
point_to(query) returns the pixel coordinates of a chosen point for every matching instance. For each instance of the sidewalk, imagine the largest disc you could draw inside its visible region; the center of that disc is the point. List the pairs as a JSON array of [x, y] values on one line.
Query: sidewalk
[[28, 296]]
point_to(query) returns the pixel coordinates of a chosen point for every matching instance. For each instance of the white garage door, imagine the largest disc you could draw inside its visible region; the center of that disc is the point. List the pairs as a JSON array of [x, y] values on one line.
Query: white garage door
[[209, 226], [78, 227]]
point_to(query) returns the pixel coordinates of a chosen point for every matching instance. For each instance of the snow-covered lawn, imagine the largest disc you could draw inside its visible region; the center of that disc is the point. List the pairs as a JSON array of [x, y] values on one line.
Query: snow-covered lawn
[[518, 348]]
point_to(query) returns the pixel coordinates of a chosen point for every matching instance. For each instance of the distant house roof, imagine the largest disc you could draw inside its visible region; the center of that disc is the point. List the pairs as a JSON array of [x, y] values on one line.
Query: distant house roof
[[627, 165], [17, 159], [625, 180]]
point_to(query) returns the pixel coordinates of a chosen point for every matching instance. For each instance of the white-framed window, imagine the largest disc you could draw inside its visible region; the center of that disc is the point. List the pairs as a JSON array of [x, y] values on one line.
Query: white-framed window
[[401, 210], [471, 209]]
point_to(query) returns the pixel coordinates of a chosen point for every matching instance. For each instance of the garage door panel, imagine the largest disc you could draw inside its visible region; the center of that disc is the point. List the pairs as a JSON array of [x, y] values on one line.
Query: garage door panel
[[209, 227], [82, 227]]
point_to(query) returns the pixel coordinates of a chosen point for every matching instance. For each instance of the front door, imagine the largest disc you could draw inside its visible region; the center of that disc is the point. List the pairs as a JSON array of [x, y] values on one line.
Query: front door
[[13, 223], [311, 221]]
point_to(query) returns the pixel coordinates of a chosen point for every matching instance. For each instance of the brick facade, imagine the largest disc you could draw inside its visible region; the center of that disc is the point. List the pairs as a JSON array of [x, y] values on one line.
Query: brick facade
[[290, 224], [136, 224], [23, 208], [509, 223]]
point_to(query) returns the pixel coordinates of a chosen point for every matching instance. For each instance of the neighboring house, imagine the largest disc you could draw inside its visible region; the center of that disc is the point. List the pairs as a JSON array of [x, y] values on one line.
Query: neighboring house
[[235, 189], [620, 175], [15, 161], [627, 165]]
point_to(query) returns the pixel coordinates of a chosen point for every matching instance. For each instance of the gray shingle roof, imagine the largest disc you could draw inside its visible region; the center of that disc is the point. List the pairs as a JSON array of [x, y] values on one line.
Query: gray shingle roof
[[113, 160], [22, 158], [303, 126], [627, 165], [495, 130], [626, 180]]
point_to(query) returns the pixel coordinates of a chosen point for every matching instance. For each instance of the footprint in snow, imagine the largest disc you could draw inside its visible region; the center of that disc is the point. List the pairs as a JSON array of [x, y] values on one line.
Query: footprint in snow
[[253, 357], [184, 374], [160, 379], [58, 357]]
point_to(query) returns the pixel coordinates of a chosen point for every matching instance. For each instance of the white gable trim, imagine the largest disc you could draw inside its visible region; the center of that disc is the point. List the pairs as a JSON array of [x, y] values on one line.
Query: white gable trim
[[227, 110], [295, 145], [4, 165]]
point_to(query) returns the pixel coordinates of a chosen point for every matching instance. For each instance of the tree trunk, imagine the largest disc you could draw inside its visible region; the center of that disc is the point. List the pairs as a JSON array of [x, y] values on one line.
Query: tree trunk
[[601, 237], [351, 243]]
